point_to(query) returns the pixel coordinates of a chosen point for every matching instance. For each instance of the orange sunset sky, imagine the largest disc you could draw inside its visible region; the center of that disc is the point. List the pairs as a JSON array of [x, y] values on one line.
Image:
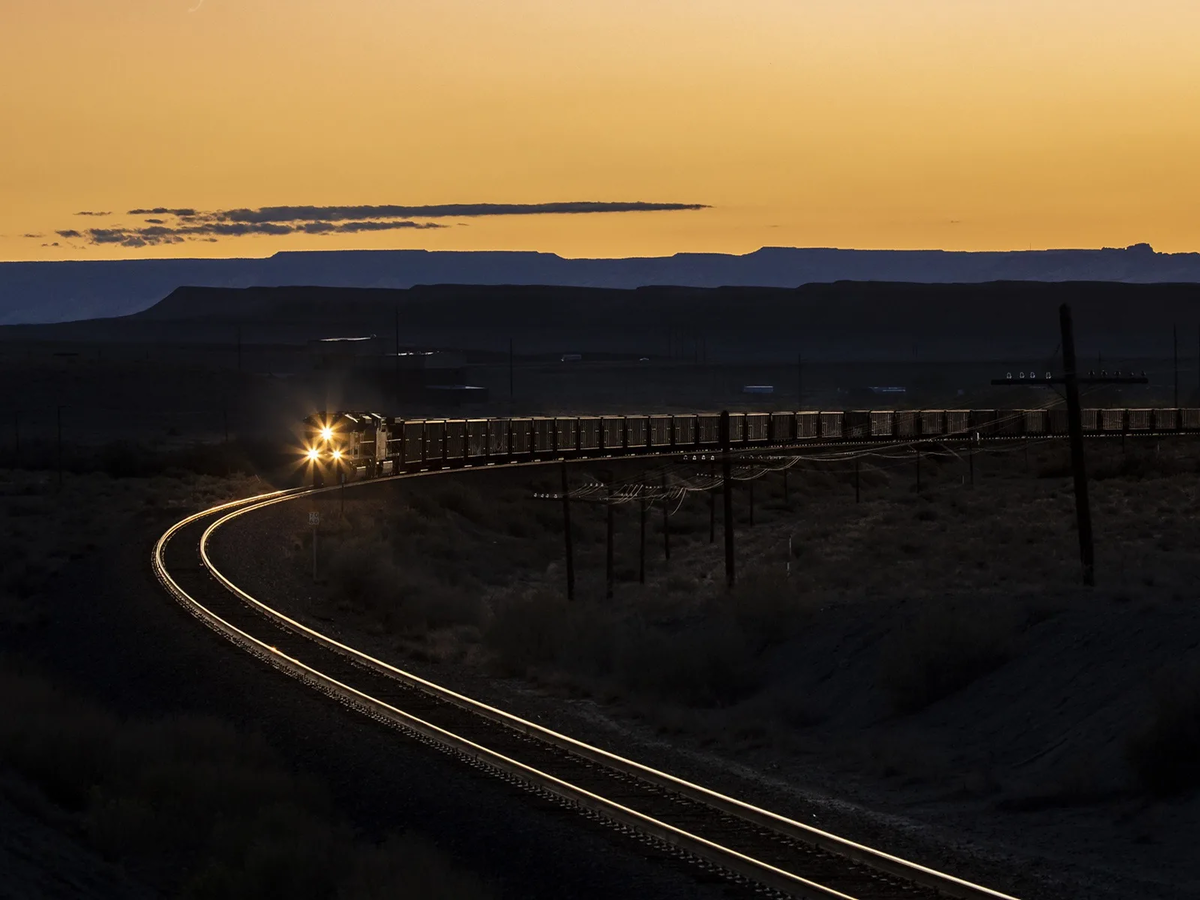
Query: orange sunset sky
[[956, 124]]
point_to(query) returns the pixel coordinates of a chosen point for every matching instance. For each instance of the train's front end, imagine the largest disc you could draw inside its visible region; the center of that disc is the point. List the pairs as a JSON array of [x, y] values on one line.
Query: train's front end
[[343, 446]]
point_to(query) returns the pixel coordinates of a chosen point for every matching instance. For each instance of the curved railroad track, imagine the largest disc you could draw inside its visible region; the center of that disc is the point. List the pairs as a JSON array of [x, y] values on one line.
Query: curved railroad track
[[747, 844]]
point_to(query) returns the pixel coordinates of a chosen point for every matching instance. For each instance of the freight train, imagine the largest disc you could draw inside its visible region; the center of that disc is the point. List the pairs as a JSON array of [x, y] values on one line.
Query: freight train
[[368, 445]]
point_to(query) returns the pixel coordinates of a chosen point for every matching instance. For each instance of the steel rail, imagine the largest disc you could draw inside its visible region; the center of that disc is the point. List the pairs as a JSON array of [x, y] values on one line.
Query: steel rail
[[875, 859], [736, 863]]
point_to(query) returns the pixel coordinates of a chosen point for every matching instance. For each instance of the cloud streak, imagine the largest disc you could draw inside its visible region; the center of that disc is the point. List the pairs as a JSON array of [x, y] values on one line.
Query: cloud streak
[[174, 225]]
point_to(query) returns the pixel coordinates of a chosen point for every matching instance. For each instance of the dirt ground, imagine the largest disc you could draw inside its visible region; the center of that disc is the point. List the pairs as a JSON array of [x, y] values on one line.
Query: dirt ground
[[923, 666]]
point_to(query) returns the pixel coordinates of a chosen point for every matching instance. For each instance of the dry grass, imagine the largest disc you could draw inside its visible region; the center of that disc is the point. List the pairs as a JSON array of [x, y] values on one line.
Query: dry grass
[[202, 809], [932, 590]]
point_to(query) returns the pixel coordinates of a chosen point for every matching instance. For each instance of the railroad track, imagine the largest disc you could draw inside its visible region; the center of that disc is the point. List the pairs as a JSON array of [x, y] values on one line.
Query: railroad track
[[747, 844]]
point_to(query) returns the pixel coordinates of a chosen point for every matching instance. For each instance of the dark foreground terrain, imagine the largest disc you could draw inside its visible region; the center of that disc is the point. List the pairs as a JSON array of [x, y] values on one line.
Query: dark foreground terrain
[[926, 675], [140, 755]]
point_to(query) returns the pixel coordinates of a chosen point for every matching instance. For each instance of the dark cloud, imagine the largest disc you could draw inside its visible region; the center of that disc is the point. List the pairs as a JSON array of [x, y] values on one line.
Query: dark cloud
[[355, 227], [33, 235], [90, 213], [55, 244], [162, 211], [445, 210], [167, 225]]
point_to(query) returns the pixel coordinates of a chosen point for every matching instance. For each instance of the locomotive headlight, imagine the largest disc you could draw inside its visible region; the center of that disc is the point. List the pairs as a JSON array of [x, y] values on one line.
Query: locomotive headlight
[[326, 433], [313, 454], [337, 454]]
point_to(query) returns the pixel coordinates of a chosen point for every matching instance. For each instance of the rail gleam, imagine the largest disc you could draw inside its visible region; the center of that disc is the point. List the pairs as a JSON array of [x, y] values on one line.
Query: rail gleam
[[749, 843]]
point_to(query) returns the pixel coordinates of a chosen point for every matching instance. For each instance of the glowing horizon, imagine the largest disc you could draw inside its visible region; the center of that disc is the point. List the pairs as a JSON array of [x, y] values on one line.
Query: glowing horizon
[[861, 124]]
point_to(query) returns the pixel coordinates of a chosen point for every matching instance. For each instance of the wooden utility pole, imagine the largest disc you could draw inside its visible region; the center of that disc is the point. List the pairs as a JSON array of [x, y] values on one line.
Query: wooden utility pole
[[1083, 511], [1175, 353], [570, 549], [608, 559], [666, 521], [727, 497], [642, 540], [712, 504]]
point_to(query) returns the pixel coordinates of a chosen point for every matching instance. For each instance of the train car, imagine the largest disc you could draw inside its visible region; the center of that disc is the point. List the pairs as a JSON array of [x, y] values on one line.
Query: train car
[[1009, 422], [414, 443], [758, 428], [455, 431], [435, 443], [833, 425], [1037, 421], [1057, 420], [637, 432], [685, 430], [932, 422], [497, 439], [958, 421], [1112, 420], [708, 428], [783, 427], [477, 439], [544, 436], [612, 433], [1166, 419], [520, 438], [808, 425], [983, 421], [1090, 419], [737, 428], [589, 435], [1189, 419], [883, 423], [568, 435], [1139, 419], [660, 432], [905, 421]]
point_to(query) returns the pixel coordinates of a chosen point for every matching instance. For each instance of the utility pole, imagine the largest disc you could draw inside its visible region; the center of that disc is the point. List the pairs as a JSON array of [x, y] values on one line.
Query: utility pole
[[712, 504], [1083, 511], [1175, 353], [608, 559], [666, 522], [727, 478], [566, 502], [642, 540]]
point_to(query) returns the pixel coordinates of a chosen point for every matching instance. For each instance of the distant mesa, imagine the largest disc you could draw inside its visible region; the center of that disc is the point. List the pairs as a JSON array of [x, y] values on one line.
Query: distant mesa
[[38, 292]]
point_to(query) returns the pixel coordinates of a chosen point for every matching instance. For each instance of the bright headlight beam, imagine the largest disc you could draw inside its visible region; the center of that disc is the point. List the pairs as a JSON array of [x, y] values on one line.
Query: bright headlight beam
[[313, 453], [337, 454], [326, 433]]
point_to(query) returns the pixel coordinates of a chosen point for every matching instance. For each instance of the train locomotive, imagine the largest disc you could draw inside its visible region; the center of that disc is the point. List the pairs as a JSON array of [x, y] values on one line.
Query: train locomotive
[[354, 445]]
